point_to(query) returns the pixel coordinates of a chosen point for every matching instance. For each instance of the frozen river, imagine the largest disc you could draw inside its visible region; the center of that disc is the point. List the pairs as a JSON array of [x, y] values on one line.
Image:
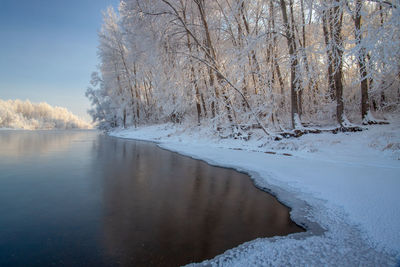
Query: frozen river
[[80, 198]]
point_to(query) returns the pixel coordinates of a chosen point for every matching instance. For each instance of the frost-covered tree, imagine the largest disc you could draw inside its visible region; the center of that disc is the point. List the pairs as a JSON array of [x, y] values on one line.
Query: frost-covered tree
[[19, 114]]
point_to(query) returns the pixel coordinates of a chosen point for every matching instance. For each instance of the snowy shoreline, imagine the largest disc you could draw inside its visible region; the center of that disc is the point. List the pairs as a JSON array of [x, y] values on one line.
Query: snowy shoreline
[[334, 185]]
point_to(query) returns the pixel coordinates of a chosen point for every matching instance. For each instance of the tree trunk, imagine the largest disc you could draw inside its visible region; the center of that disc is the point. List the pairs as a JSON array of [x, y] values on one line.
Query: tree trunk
[[293, 64], [136, 93], [332, 20], [193, 75], [361, 57], [331, 84], [274, 63], [337, 52], [213, 58]]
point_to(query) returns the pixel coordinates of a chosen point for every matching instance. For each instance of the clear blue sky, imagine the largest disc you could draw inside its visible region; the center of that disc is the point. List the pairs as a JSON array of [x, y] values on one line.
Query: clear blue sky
[[48, 49]]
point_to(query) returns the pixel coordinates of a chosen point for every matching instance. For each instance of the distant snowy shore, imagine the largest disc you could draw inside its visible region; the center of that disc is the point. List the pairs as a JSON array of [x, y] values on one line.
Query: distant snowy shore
[[17, 114], [345, 189]]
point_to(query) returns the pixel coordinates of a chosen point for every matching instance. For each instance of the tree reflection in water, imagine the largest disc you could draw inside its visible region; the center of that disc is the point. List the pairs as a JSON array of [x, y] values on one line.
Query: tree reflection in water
[[161, 208]]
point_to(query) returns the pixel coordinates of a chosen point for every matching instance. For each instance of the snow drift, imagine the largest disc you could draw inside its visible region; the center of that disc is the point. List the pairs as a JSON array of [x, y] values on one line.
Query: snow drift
[[19, 114]]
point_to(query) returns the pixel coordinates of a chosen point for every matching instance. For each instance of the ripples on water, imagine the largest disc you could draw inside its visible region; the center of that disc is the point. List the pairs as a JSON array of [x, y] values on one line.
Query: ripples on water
[[82, 198]]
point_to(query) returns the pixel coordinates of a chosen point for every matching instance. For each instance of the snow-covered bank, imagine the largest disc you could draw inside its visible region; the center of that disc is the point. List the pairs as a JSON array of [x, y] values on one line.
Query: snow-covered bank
[[17, 114], [347, 183]]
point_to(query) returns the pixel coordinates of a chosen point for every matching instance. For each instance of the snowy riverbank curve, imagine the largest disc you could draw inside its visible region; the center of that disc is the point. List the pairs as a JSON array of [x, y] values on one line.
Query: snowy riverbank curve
[[347, 182]]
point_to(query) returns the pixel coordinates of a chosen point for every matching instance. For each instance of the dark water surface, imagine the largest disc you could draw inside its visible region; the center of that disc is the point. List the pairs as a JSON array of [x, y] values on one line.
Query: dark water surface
[[79, 198]]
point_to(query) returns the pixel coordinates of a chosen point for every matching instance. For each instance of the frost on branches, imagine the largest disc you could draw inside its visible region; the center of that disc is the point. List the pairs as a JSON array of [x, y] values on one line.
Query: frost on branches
[[235, 65], [17, 114]]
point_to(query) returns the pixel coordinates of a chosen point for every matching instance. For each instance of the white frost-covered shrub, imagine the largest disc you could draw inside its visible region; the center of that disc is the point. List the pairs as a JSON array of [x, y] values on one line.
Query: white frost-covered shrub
[[19, 114]]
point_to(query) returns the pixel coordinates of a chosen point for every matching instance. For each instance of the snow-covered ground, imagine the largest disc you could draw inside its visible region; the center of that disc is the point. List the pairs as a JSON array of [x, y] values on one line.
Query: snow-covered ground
[[345, 189]]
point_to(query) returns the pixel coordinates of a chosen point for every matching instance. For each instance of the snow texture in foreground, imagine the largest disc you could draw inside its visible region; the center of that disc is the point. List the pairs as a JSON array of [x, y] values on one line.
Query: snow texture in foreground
[[343, 188], [17, 114]]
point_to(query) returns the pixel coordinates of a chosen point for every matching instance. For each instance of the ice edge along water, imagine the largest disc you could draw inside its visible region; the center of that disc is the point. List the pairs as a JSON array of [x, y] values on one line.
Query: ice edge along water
[[332, 238]]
